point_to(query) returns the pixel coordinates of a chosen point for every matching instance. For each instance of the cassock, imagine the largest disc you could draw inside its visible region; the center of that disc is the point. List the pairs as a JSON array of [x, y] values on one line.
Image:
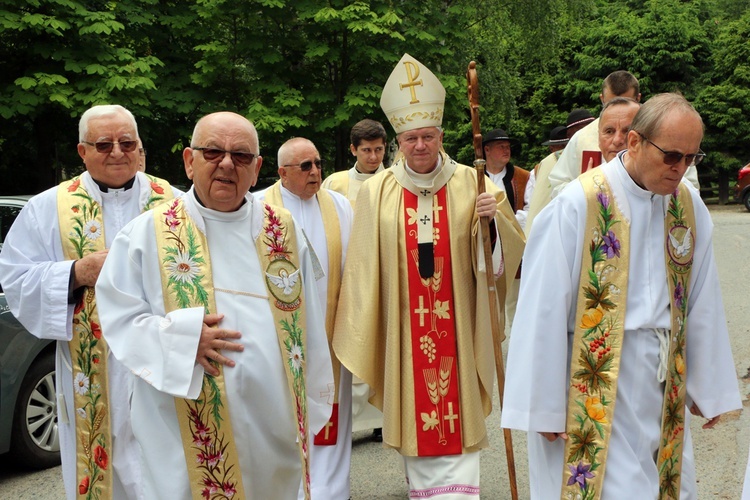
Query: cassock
[[348, 182], [540, 195], [330, 464], [373, 334], [568, 166], [160, 349], [35, 276], [538, 368]]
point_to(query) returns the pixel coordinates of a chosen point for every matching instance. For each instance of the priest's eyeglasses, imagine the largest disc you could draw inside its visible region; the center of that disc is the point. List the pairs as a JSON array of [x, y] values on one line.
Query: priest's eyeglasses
[[216, 155], [306, 166], [675, 157], [107, 146]]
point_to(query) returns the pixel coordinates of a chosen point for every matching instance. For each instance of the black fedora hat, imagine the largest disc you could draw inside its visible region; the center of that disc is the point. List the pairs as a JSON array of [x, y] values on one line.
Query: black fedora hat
[[579, 117], [557, 136], [498, 134]]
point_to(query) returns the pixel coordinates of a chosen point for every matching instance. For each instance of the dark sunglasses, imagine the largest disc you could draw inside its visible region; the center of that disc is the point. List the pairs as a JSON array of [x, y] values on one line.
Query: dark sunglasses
[[306, 166], [215, 155], [675, 157], [107, 147]]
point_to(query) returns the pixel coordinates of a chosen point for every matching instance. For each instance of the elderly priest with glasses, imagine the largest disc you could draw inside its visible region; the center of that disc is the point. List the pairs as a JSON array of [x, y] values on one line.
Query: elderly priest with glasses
[[325, 218], [620, 332], [49, 264], [209, 301]]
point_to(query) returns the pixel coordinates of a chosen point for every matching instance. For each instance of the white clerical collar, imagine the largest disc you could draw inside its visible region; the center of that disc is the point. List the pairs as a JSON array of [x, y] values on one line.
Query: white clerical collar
[[362, 176], [210, 214], [423, 180], [500, 174]]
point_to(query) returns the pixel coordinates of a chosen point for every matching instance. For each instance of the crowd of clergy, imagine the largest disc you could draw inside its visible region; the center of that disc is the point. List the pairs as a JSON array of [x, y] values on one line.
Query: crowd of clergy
[[225, 342]]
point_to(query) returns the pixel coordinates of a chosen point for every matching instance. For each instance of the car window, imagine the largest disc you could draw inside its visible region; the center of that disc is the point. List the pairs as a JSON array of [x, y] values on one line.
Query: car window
[[8, 214]]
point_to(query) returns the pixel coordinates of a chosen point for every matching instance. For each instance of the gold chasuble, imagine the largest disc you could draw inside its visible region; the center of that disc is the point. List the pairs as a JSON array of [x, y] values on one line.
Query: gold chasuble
[[187, 281], [82, 232], [598, 336], [329, 434], [412, 322]]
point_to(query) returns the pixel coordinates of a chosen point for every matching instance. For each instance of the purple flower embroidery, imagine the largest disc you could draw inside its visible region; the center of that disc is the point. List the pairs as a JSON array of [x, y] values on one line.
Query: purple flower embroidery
[[611, 245], [603, 199], [679, 295], [579, 474]]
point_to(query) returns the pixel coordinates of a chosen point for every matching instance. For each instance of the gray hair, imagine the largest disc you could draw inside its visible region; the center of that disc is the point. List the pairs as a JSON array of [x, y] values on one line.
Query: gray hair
[[100, 111], [650, 117]]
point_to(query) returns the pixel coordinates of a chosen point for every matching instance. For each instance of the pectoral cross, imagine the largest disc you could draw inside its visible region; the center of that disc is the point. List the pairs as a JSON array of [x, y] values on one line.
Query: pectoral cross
[[421, 310], [450, 417]]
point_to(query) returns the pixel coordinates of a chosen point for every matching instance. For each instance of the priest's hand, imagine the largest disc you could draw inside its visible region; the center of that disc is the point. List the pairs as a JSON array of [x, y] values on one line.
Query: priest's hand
[[87, 269], [551, 436], [711, 421], [213, 340], [486, 205]]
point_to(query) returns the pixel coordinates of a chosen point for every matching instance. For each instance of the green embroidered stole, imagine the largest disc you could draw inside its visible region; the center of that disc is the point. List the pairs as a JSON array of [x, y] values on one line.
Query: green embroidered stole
[[600, 321], [205, 426], [329, 434], [82, 232]]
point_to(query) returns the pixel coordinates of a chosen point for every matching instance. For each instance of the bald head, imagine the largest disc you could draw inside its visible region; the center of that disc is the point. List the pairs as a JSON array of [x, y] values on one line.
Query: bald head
[[300, 167], [223, 160]]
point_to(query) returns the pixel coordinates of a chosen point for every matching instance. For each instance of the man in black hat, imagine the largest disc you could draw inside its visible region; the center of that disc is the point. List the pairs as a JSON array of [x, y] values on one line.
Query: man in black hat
[[497, 147]]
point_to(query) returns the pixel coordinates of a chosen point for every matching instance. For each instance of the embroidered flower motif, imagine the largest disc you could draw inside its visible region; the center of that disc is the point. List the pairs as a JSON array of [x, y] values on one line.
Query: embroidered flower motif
[[83, 487], [603, 199], [92, 229], [81, 383], [428, 347], [295, 357], [679, 364], [579, 474], [229, 489], [611, 245], [595, 410], [96, 330], [100, 457], [72, 188], [183, 269], [666, 452], [679, 296], [430, 420], [157, 188], [592, 319]]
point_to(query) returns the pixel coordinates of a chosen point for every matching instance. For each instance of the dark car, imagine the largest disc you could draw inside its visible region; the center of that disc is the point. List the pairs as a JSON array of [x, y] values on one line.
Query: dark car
[[28, 404], [742, 189]]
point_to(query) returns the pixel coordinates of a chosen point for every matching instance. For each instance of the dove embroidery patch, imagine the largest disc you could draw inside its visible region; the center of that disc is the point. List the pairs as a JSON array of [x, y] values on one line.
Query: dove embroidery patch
[[680, 245], [284, 284]]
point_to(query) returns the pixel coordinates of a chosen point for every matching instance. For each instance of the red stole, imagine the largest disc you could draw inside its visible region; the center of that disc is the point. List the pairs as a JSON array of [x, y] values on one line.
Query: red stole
[[433, 335]]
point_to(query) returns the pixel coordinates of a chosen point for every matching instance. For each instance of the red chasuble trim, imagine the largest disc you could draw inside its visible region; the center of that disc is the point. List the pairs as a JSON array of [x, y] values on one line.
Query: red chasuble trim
[[433, 336]]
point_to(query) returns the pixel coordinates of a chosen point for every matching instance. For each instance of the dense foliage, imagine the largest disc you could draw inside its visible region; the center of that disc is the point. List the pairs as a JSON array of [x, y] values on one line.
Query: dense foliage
[[314, 68]]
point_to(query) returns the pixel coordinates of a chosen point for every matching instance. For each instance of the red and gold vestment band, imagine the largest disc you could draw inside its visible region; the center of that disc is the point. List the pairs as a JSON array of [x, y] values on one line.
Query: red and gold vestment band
[[329, 434], [82, 233], [433, 334], [598, 337], [205, 426]]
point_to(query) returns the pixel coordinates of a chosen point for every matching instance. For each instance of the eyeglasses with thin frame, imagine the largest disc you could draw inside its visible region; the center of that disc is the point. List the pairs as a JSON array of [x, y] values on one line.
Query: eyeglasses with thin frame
[[216, 155], [108, 146], [306, 166], [675, 157]]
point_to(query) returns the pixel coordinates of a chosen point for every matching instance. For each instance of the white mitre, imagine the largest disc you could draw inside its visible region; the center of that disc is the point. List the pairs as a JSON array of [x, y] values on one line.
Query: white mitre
[[413, 97]]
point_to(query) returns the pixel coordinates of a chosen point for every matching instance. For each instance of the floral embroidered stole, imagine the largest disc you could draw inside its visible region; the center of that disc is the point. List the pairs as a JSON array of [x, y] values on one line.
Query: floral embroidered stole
[[328, 436], [82, 231], [597, 342], [205, 425]]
